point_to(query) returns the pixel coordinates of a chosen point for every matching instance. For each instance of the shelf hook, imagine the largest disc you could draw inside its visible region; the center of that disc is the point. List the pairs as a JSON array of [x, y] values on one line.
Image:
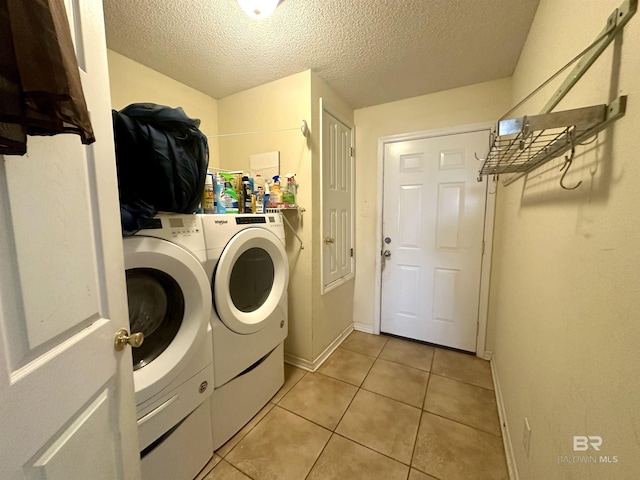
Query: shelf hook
[[568, 159]]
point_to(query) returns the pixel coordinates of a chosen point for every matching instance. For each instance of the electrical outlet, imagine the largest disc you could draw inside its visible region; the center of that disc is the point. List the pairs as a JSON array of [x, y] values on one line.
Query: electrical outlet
[[526, 436]]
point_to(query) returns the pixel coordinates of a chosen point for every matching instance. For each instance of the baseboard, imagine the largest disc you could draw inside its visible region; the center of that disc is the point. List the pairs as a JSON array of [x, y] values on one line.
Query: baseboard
[[363, 327], [298, 362], [312, 366], [504, 427], [488, 355]]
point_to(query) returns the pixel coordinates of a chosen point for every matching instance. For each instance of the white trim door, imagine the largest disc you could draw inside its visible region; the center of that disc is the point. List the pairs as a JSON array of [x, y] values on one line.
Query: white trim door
[[433, 233], [67, 407], [337, 202]]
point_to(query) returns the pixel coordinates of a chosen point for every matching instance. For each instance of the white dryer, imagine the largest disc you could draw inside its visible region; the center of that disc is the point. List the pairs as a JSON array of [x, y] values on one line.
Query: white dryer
[[170, 303], [249, 274]]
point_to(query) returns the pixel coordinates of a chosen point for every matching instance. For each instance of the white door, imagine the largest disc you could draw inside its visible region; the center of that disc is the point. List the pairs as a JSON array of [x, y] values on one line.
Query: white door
[[337, 265], [67, 409], [433, 223]]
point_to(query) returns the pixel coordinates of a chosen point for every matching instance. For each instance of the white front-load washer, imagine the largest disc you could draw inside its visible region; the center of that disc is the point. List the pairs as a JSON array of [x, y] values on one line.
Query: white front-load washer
[[248, 270], [169, 299]]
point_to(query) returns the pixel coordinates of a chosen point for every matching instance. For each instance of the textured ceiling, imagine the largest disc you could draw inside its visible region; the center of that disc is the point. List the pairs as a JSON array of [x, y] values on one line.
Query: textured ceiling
[[368, 51]]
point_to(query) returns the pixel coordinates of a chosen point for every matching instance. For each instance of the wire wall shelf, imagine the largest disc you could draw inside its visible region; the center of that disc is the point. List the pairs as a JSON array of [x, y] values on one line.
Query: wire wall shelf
[[519, 145]]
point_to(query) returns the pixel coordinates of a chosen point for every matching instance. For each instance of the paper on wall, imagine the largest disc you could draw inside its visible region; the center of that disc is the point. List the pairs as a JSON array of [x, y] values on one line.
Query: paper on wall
[[264, 166]]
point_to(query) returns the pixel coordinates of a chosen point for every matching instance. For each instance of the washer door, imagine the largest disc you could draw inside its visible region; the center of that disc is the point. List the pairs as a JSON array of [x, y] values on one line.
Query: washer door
[[250, 280], [169, 301]]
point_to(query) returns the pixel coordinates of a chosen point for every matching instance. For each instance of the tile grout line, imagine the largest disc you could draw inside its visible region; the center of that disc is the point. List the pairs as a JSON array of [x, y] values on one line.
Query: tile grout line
[[463, 424], [333, 432], [275, 404], [462, 381]]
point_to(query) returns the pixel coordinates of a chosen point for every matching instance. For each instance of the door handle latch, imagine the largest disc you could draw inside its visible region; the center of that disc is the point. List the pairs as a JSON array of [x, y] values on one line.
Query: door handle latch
[[123, 339]]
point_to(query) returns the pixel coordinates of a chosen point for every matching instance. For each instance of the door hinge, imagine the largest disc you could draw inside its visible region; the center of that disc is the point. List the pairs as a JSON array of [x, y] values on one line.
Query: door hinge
[[351, 251], [351, 151]]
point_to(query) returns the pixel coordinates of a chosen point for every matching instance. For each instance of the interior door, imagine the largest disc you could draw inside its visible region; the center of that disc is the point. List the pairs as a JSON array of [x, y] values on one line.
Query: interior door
[[67, 407], [433, 225], [337, 188]]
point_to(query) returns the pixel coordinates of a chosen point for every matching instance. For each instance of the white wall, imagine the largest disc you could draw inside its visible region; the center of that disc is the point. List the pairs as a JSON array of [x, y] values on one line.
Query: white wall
[[484, 102], [132, 82], [565, 290], [281, 104], [333, 311]]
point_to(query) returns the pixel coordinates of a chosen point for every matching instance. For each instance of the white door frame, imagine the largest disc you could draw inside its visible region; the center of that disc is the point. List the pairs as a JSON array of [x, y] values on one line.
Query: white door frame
[[487, 236], [326, 107]]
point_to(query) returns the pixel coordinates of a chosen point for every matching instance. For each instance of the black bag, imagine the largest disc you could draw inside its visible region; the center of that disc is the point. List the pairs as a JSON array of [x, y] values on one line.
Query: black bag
[[161, 158]]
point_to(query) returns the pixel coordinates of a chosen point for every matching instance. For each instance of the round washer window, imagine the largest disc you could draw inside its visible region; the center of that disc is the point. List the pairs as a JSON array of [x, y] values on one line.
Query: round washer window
[[156, 308], [251, 279]]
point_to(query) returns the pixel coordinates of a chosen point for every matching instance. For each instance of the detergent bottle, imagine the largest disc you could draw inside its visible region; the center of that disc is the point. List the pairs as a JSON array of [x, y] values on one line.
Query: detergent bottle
[[247, 194], [259, 198], [208, 201]]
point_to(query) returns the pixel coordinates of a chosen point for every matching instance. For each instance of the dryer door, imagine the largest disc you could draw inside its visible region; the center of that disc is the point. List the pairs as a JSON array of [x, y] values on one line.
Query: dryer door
[[250, 280], [169, 302]]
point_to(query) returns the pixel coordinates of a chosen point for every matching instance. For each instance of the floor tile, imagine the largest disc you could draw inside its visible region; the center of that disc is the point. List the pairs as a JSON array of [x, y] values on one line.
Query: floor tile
[[365, 343], [396, 381], [411, 354], [343, 459], [283, 446], [447, 449], [348, 366], [463, 367], [206, 470], [225, 471], [292, 375], [462, 402], [418, 475], [233, 441], [383, 424], [319, 398]]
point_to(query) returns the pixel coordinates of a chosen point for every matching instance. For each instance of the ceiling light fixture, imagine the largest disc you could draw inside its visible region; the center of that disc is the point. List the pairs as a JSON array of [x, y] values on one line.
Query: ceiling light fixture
[[259, 8]]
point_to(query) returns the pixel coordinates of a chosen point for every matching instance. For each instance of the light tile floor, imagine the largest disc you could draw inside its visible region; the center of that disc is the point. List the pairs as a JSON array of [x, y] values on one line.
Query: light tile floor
[[378, 408]]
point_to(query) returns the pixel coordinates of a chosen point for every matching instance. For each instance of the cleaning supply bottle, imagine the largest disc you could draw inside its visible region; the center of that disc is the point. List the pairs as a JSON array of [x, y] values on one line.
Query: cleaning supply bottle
[[229, 197], [218, 192], [247, 193], [275, 198], [267, 196], [260, 205], [289, 194], [208, 195]]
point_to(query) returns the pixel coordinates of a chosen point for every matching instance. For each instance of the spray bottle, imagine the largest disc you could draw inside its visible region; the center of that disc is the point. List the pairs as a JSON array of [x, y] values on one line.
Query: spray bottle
[[219, 191], [289, 194], [276, 194]]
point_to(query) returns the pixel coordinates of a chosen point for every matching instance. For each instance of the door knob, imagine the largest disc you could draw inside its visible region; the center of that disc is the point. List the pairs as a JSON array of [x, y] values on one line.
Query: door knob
[[329, 240], [386, 253], [123, 339]]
